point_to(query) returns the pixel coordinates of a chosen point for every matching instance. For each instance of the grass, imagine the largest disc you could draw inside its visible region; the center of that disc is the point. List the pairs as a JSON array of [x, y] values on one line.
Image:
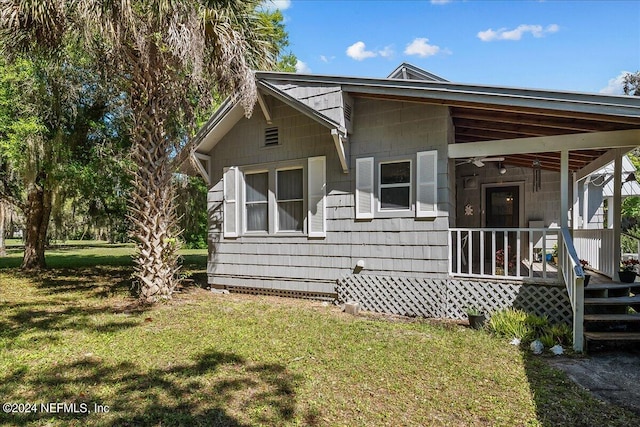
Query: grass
[[73, 335]]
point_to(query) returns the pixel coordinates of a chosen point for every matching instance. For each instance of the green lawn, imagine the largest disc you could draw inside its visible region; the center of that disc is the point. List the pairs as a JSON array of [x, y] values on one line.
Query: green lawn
[[73, 335]]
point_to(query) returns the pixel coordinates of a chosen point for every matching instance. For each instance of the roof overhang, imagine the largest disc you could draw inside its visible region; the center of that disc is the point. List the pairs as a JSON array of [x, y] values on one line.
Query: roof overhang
[[490, 117]]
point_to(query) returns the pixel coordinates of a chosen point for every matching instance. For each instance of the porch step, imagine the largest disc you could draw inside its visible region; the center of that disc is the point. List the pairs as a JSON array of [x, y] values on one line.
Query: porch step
[[612, 336], [613, 286], [612, 317], [613, 301]]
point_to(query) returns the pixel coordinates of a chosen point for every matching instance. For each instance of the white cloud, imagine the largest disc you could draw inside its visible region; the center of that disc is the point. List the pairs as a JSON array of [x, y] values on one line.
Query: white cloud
[[387, 52], [302, 67], [517, 33], [272, 5], [327, 59], [359, 52], [422, 48], [441, 1], [615, 85]]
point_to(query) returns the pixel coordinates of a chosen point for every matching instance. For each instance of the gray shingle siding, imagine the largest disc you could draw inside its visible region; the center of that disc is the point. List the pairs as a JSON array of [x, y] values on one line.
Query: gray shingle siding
[[389, 246]]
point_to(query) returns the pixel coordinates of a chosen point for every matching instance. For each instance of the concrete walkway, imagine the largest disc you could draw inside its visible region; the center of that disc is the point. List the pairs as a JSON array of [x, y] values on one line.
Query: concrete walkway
[[612, 377]]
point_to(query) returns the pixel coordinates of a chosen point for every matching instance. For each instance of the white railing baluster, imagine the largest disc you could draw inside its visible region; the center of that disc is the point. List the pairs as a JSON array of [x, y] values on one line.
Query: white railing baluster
[[482, 252], [479, 241], [505, 243], [531, 261], [459, 252], [493, 253], [518, 257], [544, 254]]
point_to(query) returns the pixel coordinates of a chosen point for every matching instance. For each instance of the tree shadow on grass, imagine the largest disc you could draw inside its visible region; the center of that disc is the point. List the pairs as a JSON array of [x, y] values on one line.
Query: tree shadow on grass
[[69, 300], [216, 389], [559, 401]]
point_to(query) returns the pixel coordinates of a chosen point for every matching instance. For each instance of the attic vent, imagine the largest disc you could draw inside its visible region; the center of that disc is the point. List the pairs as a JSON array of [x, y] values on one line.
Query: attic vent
[[271, 136], [347, 112]]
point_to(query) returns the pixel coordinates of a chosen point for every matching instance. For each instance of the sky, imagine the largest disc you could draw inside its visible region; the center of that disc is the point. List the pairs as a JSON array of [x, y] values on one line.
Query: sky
[[571, 45]]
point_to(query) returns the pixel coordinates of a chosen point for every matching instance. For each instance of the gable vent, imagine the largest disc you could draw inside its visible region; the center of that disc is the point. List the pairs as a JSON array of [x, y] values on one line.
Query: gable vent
[[347, 112], [271, 136]]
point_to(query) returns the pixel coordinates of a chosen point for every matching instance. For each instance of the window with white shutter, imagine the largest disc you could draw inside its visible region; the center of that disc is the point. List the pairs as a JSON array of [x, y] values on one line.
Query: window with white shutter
[[286, 197]]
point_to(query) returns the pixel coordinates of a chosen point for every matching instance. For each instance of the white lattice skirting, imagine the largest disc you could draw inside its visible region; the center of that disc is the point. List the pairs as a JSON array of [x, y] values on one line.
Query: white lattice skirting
[[447, 298]]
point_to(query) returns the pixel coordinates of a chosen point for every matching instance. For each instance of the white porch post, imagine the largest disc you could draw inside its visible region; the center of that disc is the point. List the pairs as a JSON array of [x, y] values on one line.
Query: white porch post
[[617, 208], [575, 220], [609, 212], [585, 203], [564, 189], [564, 202]]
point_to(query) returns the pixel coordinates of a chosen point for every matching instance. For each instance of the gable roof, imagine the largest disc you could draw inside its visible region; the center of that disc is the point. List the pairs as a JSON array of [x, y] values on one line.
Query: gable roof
[[406, 71], [479, 112]]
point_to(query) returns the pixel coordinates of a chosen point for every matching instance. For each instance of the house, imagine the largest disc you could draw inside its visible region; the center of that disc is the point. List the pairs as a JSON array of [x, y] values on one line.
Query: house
[[409, 194]]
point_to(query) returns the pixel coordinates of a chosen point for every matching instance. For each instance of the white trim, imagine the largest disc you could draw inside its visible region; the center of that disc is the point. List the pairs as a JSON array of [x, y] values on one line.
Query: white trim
[[380, 186], [265, 108], [244, 203], [339, 140], [542, 144], [483, 200], [303, 199], [198, 158]]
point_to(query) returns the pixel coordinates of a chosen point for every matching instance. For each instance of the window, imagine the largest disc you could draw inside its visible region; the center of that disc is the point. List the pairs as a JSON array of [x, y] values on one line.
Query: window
[[277, 198], [400, 189], [290, 200], [256, 201], [395, 186]]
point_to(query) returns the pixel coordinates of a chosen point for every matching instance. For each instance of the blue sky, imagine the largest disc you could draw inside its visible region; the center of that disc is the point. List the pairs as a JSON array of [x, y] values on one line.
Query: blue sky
[[565, 45]]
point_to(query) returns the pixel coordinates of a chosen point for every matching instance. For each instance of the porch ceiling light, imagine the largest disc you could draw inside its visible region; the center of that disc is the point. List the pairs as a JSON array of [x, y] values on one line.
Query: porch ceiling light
[[501, 169]]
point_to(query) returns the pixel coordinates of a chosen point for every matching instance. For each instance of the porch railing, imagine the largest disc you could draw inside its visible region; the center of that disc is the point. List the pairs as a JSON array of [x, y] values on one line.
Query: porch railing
[[573, 276], [596, 246], [512, 253], [634, 242]]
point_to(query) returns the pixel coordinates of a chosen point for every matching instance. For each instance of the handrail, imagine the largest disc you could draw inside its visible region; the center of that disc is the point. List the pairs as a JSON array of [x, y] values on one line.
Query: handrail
[[573, 275]]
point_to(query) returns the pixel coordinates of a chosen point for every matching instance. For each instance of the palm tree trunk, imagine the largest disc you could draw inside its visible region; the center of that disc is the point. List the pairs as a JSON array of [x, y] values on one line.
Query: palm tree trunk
[[152, 210]]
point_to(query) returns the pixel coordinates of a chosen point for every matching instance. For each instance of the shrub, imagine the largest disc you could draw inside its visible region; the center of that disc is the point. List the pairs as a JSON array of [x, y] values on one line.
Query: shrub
[[513, 323]]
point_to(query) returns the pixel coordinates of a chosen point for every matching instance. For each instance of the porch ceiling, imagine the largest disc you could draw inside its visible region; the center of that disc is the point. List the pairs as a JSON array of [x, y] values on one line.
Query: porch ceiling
[[478, 121], [478, 124]]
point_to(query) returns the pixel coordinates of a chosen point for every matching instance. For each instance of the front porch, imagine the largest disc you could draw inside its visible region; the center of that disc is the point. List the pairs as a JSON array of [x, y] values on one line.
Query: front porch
[[518, 217]]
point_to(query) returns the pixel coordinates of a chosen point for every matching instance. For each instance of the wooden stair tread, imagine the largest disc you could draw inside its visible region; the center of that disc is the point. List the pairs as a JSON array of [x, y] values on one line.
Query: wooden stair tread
[[612, 336], [612, 317], [605, 286], [613, 300]]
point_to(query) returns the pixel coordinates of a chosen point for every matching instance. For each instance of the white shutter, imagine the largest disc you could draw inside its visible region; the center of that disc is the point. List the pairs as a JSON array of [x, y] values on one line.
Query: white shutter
[[231, 206], [427, 184], [316, 186], [364, 188]]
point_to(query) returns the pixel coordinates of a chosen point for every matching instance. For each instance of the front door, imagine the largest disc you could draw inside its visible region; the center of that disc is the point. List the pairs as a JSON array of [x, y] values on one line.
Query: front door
[[502, 210], [502, 207]]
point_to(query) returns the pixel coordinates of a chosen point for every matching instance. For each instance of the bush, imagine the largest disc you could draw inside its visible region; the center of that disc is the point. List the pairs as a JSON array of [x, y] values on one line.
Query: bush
[[513, 323]]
